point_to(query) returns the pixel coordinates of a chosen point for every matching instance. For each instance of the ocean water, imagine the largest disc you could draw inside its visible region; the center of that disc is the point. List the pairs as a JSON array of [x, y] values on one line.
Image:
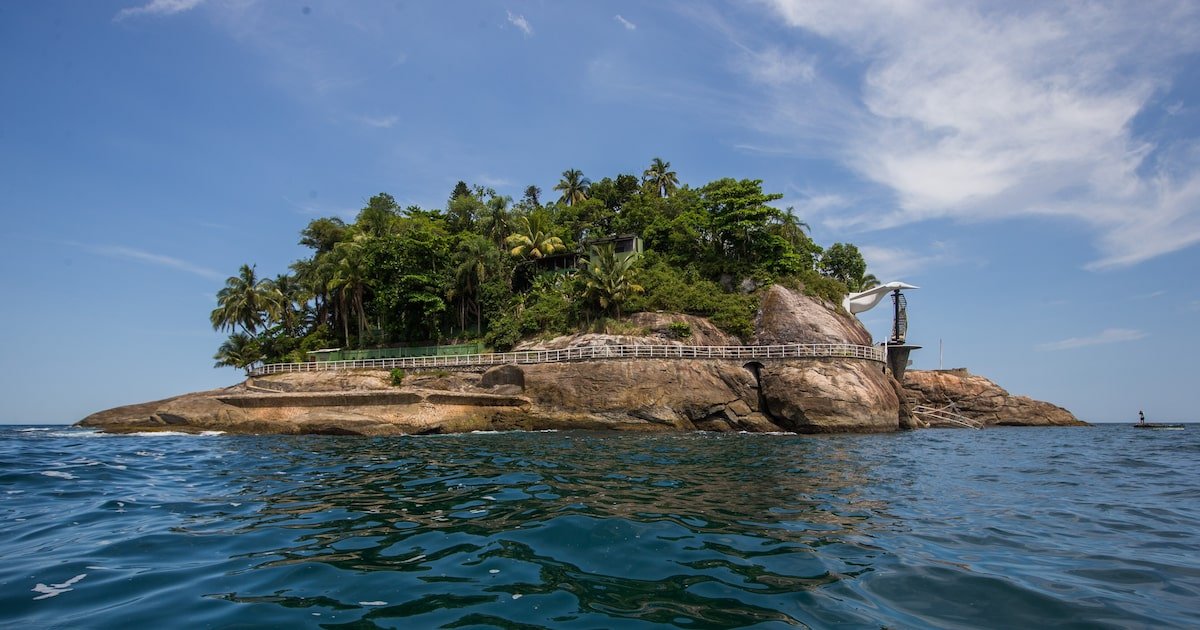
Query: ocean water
[[1003, 528]]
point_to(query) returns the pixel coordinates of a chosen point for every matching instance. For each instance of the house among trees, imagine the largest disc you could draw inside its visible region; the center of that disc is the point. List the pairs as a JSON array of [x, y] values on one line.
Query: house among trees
[[624, 246]]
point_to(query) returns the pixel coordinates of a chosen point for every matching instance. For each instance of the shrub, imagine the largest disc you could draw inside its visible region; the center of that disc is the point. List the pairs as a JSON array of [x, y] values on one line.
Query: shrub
[[397, 377], [814, 284], [680, 330]]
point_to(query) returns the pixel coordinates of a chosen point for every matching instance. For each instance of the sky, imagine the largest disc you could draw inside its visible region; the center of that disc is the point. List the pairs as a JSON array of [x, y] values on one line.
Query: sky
[[1033, 167]]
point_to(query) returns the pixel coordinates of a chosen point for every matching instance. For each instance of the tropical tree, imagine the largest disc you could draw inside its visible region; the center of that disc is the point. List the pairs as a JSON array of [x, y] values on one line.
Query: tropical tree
[[740, 219], [532, 196], [472, 262], [574, 187], [790, 228], [609, 280], [534, 238], [862, 283], [288, 302], [349, 281], [843, 261], [322, 234], [495, 222], [243, 302], [660, 178], [239, 351]]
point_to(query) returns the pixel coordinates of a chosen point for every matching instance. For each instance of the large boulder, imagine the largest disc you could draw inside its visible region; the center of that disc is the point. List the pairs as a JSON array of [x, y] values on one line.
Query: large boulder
[[828, 396], [650, 394], [787, 316], [980, 399], [822, 395]]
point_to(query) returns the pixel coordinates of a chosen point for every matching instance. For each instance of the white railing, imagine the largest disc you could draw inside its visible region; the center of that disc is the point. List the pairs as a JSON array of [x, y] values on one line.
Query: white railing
[[589, 353]]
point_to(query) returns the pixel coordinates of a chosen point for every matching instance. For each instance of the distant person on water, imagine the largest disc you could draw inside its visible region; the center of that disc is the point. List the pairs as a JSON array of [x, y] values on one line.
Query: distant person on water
[[1141, 417]]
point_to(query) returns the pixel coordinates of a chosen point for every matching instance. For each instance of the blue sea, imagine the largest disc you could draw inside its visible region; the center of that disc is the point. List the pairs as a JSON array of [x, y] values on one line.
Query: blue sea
[[1003, 528]]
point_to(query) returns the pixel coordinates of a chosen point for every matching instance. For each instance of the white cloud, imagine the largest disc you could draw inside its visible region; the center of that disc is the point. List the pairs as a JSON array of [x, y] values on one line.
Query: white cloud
[[493, 182], [159, 260], [776, 67], [983, 112], [1109, 335], [158, 7], [629, 26], [520, 22], [894, 263], [380, 122]]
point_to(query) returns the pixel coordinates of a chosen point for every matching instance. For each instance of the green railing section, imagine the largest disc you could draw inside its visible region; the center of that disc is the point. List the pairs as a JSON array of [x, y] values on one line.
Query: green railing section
[[399, 353]]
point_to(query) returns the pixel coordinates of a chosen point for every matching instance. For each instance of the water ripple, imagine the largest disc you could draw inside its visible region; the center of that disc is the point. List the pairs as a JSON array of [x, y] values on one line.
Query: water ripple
[[1064, 527]]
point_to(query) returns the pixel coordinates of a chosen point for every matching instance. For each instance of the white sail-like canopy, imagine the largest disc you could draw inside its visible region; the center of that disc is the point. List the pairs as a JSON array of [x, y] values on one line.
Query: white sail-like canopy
[[866, 300]]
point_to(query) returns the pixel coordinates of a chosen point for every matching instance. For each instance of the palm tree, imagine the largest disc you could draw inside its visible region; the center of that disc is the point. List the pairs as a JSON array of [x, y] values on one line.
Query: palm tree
[[789, 227], [862, 283], [496, 221], [660, 178], [475, 256], [534, 240], [239, 351], [243, 302], [349, 282], [313, 278], [574, 187], [608, 280], [290, 300]]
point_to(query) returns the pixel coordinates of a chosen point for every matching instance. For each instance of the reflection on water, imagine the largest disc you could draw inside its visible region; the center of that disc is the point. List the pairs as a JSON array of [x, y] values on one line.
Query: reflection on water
[[997, 528]]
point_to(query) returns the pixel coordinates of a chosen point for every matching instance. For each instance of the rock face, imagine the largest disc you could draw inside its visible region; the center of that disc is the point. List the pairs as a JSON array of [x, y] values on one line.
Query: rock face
[[821, 396], [980, 399], [790, 317]]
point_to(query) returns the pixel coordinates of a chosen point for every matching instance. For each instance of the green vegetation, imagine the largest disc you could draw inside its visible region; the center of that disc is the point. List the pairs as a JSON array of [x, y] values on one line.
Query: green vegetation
[[397, 377], [486, 269], [680, 330]]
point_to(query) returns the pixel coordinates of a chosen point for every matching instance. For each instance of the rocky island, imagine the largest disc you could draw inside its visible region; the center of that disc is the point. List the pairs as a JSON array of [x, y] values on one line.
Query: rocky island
[[811, 395]]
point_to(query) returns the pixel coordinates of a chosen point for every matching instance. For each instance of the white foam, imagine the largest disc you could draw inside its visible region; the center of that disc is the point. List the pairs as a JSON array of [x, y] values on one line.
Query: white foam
[[372, 603], [54, 590], [79, 433], [29, 430], [211, 433], [59, 474]]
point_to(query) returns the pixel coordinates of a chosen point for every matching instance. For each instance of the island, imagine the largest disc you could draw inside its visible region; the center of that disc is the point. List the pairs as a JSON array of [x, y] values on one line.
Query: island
[[633, 304]]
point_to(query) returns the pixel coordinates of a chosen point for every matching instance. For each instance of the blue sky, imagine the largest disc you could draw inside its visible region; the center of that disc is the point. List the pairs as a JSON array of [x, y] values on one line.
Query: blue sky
[[1032, 166]]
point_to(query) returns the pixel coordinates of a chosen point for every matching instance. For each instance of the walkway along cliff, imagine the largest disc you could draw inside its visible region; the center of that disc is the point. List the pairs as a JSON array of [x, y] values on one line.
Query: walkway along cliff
[[810, 368]]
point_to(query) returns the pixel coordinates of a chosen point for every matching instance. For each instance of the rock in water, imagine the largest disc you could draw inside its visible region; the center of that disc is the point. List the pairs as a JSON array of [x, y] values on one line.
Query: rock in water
[[980, 399]]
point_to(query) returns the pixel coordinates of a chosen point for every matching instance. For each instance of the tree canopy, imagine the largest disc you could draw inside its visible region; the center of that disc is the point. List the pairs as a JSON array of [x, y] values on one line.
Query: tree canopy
[[484, 268]]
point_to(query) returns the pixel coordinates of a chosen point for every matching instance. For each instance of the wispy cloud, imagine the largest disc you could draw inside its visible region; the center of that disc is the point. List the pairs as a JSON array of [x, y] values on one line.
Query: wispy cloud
[[157, 7], [319, 210], [521, 23], [157, 260], [895, 263], [1110, 335], [1148, 296], [966, 112], [777, 67], [379, 122], [629, 26], [493, 181]]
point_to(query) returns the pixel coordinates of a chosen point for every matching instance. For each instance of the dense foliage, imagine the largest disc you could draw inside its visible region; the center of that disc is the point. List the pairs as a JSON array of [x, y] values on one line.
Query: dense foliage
[[486, 268]]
